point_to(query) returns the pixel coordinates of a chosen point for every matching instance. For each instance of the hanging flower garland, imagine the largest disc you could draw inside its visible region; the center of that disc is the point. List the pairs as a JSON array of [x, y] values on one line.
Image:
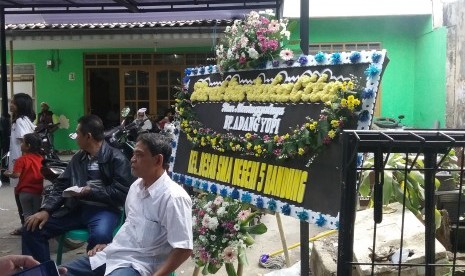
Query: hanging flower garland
[[342, 102]]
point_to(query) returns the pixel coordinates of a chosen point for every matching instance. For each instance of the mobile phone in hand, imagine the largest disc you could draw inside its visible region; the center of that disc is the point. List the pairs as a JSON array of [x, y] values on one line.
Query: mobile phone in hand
[[47, 268]]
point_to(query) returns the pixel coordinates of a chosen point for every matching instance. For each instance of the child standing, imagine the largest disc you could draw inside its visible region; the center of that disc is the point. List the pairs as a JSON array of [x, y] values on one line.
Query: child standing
[[27, 169]]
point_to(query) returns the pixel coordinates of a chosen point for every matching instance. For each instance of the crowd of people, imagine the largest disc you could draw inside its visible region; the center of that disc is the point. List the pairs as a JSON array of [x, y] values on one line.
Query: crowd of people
[[100, 183]]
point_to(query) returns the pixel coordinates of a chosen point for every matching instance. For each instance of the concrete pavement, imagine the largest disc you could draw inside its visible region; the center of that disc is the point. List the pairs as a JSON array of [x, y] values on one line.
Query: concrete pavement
[[265, 243]]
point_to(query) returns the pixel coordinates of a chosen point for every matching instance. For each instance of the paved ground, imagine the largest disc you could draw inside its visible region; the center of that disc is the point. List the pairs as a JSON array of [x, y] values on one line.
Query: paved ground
[[265, 243]]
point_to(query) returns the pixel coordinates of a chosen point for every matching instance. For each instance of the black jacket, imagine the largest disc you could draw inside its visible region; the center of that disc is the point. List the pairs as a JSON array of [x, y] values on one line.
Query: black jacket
[[116, 175]]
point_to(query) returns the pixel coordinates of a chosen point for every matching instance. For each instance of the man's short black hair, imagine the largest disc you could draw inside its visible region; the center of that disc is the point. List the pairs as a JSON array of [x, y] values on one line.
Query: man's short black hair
[[92, 124], [157, 144]]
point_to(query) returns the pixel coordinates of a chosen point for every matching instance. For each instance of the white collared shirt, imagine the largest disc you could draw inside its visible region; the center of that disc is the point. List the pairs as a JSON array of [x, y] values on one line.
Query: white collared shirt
[[158, 219]]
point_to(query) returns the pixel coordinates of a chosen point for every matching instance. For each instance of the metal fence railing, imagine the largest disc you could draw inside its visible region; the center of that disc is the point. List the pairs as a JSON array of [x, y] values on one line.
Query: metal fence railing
[[413, 178]]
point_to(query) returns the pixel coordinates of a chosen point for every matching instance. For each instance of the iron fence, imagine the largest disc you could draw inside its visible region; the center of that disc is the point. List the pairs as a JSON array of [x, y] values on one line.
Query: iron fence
[[424, 154]]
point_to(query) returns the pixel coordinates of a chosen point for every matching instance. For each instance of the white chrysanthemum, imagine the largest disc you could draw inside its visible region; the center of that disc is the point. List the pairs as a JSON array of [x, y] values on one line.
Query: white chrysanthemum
[[237, 227], [253, 54], [212, 224], [221, 211], [213, 238], [230, 54], [243, 41], [218, 200]]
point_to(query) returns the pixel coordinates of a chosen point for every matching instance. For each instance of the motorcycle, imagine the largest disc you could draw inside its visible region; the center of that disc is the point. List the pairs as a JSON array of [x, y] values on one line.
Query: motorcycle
[[118, 137], [45, 134]]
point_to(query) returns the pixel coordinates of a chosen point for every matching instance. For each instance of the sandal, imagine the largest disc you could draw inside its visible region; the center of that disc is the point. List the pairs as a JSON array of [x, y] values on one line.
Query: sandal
[[16, 232]]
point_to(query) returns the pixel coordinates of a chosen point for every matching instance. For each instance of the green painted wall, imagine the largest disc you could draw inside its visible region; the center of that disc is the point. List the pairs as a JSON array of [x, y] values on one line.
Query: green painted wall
[[411, 47], [66, 97], [409, 85], [430, 79]]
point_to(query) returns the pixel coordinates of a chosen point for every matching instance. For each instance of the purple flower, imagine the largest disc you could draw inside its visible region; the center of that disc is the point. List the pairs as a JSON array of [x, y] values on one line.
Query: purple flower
[[368, 93], [355, 57], [375, 57], [275, 63], [286, 209], [259, 202], [364, 116], [235, 194], [213, 189], [224, 192], [303, 60], [202, 70]]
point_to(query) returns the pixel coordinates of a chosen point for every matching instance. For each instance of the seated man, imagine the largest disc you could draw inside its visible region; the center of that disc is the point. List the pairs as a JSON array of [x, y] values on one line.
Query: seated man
[[104, 174], [156, 237]]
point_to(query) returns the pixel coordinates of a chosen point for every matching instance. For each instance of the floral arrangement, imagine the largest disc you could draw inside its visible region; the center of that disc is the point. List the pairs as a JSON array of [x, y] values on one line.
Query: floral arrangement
[[222, 232], [342, 102], [253, 41]]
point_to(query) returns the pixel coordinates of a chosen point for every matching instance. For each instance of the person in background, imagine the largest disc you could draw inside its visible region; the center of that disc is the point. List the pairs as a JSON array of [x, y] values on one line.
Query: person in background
[[142, 117], [22, 116], [156, 237], [101, 176], [46, 120], [27, 169], [167, 118]]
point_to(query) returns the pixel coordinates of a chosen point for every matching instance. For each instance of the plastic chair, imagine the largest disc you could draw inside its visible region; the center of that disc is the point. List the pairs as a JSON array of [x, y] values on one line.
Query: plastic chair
[[81, 235]]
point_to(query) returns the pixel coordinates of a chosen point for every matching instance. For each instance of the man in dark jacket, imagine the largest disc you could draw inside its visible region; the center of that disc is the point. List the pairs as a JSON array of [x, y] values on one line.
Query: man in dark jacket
[[97, 181]]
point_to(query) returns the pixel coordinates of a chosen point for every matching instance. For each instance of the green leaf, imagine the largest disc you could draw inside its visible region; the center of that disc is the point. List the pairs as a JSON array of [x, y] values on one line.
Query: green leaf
[[293, 42], [257, 229], [292, 25], [437, 218], [242, 256], [387, 187], [248, 240], [365, 186], [230, 269], [212, 269], [205, 270]]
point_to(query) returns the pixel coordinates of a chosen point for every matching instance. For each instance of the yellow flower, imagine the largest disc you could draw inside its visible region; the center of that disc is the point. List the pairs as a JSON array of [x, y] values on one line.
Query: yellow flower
[[350, 85], [276, 138], [343, 102], [195, 131], [248, 135], [286, 136], [313, 125], [301, 151], [335, 123], [249, 146], [213, 141], [331, 134]]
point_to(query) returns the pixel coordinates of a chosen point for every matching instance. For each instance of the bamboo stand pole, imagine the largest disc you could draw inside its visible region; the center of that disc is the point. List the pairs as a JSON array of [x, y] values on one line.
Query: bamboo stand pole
[[283, 240], [196, 271]]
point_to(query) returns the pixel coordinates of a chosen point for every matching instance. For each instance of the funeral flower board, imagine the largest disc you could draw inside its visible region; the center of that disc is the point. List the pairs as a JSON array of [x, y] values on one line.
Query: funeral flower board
[[269, 137]]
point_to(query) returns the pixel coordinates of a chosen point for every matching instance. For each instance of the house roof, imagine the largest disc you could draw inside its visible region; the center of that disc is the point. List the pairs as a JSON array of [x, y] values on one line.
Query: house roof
[[124, 11]]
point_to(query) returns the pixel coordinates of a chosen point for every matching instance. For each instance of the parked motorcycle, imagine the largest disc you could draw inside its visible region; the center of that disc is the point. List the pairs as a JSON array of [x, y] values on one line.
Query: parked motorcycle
[[45, 133]]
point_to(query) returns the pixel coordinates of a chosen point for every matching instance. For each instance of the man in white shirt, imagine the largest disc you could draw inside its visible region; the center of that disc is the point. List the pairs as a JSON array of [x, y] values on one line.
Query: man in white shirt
[[156, 237]]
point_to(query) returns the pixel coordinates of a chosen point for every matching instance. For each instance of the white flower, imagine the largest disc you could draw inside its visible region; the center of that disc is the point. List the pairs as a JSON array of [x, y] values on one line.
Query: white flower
[[254, 15], [212, 223], [213, 237], [218, 200], [286, 54], [273, 26], [243, 214], [229, 254], [205, 221], [237, 227], [244, 40], [285, 33], [221, 211], [230, 54], [228, 29], [253, 54]]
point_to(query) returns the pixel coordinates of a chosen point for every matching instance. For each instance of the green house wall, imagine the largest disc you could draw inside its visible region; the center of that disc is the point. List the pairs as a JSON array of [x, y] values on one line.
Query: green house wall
[[413, 83], [414, 80]]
